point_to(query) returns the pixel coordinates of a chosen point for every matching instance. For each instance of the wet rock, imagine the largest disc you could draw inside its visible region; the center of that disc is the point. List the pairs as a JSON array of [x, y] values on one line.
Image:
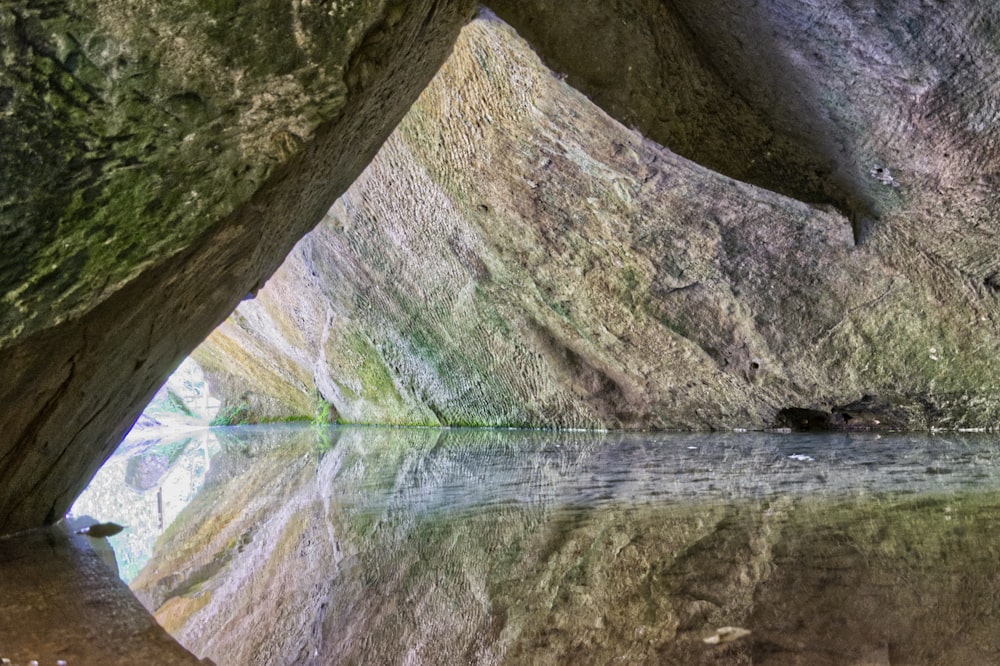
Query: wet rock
[[100, 530], [61, 603]]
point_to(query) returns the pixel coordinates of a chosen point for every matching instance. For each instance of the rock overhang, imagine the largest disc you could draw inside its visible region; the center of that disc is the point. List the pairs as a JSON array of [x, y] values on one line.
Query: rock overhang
[[884, 113]]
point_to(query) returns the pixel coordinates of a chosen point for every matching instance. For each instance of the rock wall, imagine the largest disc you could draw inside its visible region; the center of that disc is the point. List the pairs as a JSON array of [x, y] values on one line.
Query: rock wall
[[868, 108], [159, 163], [516, 257]]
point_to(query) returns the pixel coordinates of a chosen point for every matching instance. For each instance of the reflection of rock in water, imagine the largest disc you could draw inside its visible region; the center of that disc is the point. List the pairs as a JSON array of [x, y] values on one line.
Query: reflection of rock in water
[[100, 530], [145, 470], [144, 485], [479, 547]]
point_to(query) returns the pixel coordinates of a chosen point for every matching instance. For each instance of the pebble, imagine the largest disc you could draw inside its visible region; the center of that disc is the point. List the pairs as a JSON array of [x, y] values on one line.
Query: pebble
[[101, 530], [726, 635]]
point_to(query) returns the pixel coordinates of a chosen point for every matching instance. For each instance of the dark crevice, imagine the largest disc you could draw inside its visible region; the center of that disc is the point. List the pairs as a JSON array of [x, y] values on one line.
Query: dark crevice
[[437, 411], [867, 413], [803, 420]]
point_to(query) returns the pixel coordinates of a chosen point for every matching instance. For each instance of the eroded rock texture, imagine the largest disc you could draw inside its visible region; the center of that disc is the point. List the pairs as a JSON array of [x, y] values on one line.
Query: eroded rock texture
[[158, 164], [514, 256], [64, 604]]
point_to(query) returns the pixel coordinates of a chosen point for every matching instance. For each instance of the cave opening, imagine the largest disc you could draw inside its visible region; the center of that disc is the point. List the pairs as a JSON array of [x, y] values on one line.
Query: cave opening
[[515, 257], [408, 326]]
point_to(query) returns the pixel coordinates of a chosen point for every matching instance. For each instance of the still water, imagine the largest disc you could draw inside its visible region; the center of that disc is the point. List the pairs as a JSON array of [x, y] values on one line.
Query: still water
[[297, 545]]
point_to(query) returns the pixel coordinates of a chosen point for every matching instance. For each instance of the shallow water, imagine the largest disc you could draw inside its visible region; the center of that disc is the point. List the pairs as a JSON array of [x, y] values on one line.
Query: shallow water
[[376, 545]]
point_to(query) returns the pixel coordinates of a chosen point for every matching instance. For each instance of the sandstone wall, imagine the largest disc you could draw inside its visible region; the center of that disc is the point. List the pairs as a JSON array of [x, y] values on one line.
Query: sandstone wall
[[811, 239], [514, 256]]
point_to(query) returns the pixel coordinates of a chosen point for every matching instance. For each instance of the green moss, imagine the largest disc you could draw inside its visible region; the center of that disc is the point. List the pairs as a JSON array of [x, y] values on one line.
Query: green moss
[[272, 50], [346, 391], [292, 418], [560, 309], [124, 148], [324, 414], [234, 415], [176, 404], [377, 381]]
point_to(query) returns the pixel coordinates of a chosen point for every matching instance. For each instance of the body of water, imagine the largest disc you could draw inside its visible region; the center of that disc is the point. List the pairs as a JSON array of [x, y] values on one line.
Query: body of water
[[297, 545]]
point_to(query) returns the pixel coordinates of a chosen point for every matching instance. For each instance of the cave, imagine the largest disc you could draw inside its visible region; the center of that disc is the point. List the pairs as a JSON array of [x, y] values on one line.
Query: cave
[[635, 216]]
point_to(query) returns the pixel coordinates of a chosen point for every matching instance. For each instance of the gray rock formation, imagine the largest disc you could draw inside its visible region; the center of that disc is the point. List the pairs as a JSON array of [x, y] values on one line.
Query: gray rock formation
[[513, 256], [159, 162]]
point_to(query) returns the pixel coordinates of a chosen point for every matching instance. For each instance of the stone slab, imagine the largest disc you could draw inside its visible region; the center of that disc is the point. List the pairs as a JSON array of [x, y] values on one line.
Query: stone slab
[[60, 604]]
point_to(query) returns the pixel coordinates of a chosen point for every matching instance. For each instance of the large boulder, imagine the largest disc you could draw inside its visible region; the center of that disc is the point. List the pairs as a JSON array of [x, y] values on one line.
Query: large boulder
[[159, 161], [516, 257]]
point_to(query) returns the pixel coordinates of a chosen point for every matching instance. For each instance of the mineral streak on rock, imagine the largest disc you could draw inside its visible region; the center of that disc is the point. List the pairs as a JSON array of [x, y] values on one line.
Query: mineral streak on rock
[[159, 162], [516, 257]]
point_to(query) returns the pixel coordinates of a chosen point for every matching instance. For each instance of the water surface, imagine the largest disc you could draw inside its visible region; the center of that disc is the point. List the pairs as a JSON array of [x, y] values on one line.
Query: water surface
[[370, 545]]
